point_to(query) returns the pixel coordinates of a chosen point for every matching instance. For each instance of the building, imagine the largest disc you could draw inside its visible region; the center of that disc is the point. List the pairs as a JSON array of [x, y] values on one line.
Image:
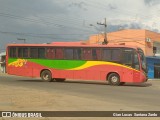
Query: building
[[147, 40], [153, 64]]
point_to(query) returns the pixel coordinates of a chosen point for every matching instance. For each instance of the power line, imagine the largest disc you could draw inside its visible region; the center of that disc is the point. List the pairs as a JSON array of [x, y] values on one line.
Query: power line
[[18, 33], [38, 21], [36, 35], [93, 3], [99, 6], [59, 18], [123, 39]]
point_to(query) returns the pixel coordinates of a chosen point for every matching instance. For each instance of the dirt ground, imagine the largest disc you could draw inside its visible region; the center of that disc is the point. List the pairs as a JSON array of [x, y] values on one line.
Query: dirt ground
[[17, 98], [24, 99]]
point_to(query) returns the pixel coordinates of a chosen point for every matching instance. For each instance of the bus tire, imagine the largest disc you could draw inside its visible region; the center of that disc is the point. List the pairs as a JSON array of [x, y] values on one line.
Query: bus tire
[[114, 79], [46, 76], [59, 79]]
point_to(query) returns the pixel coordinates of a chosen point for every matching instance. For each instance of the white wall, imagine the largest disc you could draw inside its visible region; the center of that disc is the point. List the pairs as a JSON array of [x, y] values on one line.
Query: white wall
[[157, 45]]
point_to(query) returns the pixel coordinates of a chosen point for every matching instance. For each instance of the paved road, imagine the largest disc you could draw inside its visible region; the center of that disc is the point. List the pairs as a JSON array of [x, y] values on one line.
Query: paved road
[[144, 96]]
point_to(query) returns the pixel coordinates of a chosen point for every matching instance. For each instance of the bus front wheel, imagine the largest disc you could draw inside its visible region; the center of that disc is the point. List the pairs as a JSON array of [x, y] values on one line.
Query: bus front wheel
[[46, 76], [114, 79]]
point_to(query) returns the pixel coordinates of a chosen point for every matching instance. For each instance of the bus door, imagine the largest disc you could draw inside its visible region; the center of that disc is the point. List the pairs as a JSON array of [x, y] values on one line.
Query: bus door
[[131, 61], [136, 67]]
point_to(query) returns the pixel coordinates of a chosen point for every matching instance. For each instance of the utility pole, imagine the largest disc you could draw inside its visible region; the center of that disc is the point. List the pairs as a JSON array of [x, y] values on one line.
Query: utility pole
[[105, 31]]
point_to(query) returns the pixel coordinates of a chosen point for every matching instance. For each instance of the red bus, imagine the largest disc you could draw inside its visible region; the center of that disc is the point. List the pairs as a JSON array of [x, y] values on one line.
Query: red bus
[[116, 64]]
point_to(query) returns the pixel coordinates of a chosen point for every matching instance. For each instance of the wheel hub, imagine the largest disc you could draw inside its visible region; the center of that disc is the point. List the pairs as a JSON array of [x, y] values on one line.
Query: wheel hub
[[114, 79], [46, 77]]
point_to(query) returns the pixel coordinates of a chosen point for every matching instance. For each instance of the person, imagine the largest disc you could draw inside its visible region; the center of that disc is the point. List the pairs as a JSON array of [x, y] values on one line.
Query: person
[[3, 64]]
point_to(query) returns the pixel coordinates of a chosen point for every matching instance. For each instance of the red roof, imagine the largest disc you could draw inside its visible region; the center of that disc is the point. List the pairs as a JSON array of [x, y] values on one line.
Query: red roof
[[72, 44]]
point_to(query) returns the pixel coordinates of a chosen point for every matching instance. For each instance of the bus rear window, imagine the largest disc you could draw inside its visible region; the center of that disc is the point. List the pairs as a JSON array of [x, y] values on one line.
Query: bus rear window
[[12, 52]]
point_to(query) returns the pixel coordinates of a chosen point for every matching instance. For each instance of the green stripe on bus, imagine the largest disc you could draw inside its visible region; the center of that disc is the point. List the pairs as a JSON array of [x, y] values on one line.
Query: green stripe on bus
[[59, 64], [10, 60]]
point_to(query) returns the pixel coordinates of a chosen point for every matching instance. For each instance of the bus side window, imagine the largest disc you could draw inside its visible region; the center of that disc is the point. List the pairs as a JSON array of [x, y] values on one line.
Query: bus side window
[[116, 55], [106, 54], [59, 53], [23, 52], [50, 53], [77, 54], [33, 53], [20, 52], [96, 54], [87, 54], [41, 52], [68, 52]]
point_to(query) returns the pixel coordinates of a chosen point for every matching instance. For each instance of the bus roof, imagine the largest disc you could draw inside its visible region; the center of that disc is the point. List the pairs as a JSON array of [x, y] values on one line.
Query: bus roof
[[71, 44]]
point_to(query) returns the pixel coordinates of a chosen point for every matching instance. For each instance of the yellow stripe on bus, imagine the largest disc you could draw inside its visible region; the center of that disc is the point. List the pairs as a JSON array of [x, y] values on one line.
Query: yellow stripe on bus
[[94, 63]]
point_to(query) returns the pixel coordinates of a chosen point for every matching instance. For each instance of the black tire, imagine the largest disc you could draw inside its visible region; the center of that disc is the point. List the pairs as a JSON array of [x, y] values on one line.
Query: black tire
[[114, 79], [59, 79], [46, 76]]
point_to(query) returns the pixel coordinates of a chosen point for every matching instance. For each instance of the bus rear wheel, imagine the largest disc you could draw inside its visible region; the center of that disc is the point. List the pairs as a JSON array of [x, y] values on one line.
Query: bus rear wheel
[[114, 79], [46, 76]]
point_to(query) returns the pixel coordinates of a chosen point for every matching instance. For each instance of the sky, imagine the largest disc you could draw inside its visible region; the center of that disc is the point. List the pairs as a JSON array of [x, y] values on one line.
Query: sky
[[45, 21]]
